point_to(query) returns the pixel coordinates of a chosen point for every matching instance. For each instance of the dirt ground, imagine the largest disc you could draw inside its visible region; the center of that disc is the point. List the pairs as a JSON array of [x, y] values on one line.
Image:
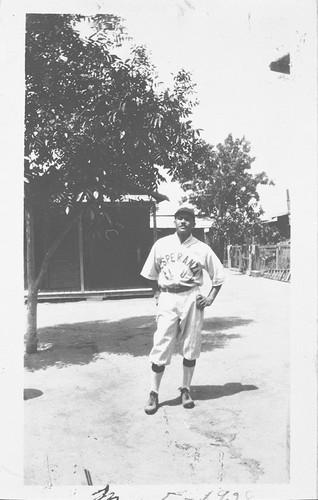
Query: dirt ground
[[85, 394]]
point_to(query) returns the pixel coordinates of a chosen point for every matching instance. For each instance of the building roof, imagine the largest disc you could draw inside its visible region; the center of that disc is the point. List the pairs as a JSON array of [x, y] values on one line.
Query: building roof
[[135, 190], [275, 217], [281, 65], [167, 222]]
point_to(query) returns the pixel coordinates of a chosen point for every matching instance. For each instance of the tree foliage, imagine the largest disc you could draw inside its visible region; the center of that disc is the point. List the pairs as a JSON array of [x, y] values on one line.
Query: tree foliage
[[219, 182], [94, 124]]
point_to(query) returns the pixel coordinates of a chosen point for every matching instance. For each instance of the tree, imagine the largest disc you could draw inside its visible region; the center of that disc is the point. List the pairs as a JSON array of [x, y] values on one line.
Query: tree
[[96, 126], [218, 182]]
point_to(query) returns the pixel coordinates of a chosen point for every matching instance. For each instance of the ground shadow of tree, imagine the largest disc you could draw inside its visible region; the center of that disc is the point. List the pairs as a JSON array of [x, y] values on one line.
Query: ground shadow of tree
[[204, 392], [81, 343]]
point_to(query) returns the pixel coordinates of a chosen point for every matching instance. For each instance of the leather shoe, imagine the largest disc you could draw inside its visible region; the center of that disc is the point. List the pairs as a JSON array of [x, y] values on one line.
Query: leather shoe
[[186, 399], [152, 405]]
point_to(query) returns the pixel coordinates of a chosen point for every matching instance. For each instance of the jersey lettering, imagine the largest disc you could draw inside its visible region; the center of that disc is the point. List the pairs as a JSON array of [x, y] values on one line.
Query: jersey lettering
[[183, 264], [178, 266], [191, 263]]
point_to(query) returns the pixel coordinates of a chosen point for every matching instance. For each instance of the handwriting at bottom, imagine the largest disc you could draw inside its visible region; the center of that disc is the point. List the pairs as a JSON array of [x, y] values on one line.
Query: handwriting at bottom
[[105, 494], [221, 494]]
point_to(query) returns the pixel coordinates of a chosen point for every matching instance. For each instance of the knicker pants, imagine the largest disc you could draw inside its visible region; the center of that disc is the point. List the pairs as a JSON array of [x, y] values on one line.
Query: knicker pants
[[179, 322]]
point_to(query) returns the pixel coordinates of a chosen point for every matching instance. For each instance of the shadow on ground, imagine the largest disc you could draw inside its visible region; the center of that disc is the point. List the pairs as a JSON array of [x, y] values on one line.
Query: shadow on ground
[[80, 343], [204, 392], [31, 393]]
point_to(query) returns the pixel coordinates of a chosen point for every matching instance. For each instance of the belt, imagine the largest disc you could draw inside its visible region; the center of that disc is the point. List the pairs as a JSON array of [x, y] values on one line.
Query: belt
[[175, 289]]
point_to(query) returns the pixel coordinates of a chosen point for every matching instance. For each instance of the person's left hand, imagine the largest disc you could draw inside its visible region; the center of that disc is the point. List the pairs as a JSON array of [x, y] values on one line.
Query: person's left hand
[[156, 296], [203, 302]]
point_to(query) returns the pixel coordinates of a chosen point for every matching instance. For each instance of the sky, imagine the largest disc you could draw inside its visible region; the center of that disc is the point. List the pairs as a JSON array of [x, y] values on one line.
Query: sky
[[228, 46]]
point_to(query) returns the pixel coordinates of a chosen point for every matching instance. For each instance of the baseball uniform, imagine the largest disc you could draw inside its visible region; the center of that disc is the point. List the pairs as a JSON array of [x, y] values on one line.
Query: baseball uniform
[[178, 268]]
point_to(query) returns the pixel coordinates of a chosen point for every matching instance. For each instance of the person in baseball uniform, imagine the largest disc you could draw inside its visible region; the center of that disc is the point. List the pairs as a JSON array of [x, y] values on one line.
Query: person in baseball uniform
[[175, 265]]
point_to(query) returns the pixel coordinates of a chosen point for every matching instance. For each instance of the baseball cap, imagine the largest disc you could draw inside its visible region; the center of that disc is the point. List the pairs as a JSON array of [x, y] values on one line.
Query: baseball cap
[[185, 210]]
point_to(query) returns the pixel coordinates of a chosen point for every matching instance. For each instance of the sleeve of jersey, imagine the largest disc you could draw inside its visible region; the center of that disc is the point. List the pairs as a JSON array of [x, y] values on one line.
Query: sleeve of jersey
[[151, 269], [215, 269]]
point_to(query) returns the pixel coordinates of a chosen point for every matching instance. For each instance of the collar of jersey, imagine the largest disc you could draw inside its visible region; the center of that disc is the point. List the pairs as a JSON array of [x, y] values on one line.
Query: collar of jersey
[[188, 242]]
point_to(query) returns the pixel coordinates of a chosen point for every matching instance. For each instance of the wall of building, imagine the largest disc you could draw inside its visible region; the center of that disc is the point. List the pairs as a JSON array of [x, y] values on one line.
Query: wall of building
[[100, 256]]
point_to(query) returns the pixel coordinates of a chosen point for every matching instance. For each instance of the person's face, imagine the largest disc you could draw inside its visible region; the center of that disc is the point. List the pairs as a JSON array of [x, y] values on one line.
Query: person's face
[[184, 224]]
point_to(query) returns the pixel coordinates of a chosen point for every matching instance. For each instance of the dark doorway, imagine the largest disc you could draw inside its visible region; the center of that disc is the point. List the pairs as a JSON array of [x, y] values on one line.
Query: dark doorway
[[115, 254]]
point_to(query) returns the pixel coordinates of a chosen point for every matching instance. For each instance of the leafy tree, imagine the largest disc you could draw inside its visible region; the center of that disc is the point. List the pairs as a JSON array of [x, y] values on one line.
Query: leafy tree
[[96, 126], [218, 181]]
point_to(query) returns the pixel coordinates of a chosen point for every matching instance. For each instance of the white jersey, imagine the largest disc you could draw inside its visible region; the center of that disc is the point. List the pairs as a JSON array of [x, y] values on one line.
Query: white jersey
[[172, 263]]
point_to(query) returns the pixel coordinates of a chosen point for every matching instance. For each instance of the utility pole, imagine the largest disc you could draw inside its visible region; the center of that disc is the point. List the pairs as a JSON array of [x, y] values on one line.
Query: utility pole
[[288, 200]]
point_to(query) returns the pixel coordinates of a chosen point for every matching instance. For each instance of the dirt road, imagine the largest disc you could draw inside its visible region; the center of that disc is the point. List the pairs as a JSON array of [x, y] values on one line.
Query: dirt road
[[85, 395]]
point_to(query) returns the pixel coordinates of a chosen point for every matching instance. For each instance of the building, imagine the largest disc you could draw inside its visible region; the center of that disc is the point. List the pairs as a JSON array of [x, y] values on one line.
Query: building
[[101, 257], [280, 222]]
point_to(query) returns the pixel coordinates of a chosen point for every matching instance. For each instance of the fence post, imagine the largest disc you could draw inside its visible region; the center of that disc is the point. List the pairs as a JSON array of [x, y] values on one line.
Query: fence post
[[240, 260], [257, 263], [229, 263], [250, 260], [277, 256]]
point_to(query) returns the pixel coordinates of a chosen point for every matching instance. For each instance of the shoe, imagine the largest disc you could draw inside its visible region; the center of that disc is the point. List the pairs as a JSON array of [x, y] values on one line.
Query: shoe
[[186, 399], [152, 405]]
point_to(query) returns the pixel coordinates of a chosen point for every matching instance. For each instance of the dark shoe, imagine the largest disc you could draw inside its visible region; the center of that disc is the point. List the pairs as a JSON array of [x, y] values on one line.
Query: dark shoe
[[152, 405], [186, 399]]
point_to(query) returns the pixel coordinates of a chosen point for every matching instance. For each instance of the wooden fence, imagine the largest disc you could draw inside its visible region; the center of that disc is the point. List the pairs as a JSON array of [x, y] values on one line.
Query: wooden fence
[[269, 261]]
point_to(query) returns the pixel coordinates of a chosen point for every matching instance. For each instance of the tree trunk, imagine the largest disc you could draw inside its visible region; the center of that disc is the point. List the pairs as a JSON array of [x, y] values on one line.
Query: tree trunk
[[34, 282], [30, 339], [31, 334]]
